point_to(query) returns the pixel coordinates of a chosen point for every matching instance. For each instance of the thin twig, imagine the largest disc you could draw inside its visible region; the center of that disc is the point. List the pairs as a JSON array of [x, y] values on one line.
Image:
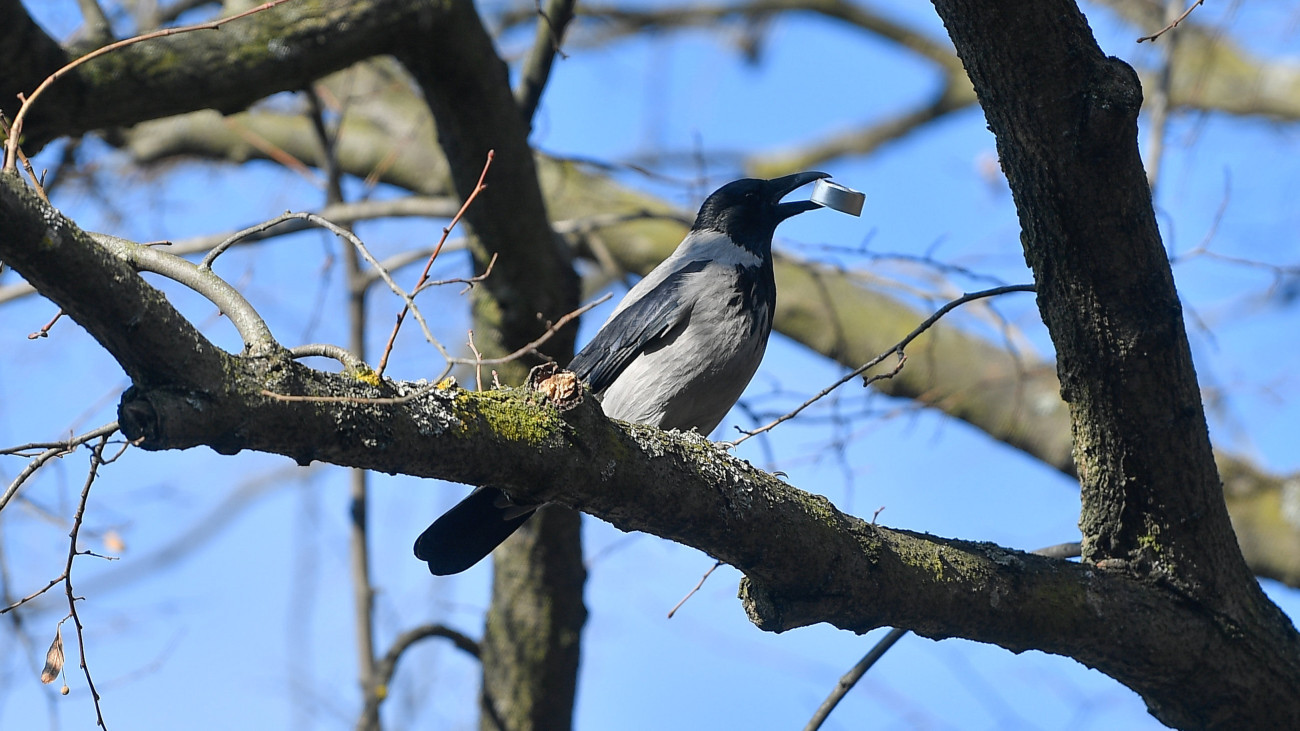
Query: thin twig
[[44, 332], [385, 668], [446, 231], [384, 275], [1172, 25], [53, 583], [232, 239], [897, 349], [692, 592], [11, 146], [469, 282], [96, 459], [478, 363], [52, 450], [539, 342], [851, 678], [37, 183]]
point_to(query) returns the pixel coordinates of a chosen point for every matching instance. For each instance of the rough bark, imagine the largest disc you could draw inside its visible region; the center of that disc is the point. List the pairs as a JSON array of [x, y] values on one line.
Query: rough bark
[[282, 49], [1065, 118]]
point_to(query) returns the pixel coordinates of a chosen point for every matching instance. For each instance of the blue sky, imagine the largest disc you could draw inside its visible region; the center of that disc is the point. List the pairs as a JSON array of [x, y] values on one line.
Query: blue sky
[[246, 622]]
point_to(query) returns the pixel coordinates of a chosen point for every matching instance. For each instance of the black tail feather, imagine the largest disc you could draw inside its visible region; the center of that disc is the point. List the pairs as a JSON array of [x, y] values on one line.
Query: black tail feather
[[467, 533]]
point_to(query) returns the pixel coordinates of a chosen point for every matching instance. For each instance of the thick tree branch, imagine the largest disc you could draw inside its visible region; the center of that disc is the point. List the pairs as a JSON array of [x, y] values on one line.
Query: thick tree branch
[[955, 96], [630, 20], [136, 324], [805, 562], [551, 25], [1065, 118], [283, 49], [1105, 286]]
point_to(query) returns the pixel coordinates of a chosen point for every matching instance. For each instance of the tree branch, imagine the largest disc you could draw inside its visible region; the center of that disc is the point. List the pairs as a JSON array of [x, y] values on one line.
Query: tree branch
[[1065, 118], [283, 49], [387, 665], [551, 24], [805, 562], [256, 335], [136, 324]]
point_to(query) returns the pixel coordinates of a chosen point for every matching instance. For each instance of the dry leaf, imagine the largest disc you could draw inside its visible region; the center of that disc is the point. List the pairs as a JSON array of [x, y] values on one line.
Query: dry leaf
[[53, 659]]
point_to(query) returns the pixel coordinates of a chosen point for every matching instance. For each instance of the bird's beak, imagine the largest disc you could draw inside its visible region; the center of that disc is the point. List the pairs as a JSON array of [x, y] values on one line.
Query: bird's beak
[[779, 188]]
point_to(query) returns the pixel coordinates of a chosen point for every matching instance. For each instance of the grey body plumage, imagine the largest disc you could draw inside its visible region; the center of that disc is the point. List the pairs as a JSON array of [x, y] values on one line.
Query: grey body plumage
[[676, 353]]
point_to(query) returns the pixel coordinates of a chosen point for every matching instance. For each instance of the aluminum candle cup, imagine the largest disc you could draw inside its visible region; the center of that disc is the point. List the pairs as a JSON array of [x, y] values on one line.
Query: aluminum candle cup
[[831, 195]]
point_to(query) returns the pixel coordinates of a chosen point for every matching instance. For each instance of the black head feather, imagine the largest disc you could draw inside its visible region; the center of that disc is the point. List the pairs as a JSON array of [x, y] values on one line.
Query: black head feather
[[749, 210]]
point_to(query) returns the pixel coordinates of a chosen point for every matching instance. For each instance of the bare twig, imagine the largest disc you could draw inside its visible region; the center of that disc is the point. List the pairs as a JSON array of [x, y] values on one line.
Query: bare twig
[[851, 678], [541, 340], [469, 282], [692, 592], [1173, 24], [52, 450], [11, 146], [37, 182], [96, 459], [44, 332], [259, 228], [477, 362], [898, 349], [385, 668], [384, 275], [446, 231], [53, 583]]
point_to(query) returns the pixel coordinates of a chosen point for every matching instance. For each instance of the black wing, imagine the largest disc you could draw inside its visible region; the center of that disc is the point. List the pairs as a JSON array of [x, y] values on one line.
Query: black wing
[[632, 330]]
